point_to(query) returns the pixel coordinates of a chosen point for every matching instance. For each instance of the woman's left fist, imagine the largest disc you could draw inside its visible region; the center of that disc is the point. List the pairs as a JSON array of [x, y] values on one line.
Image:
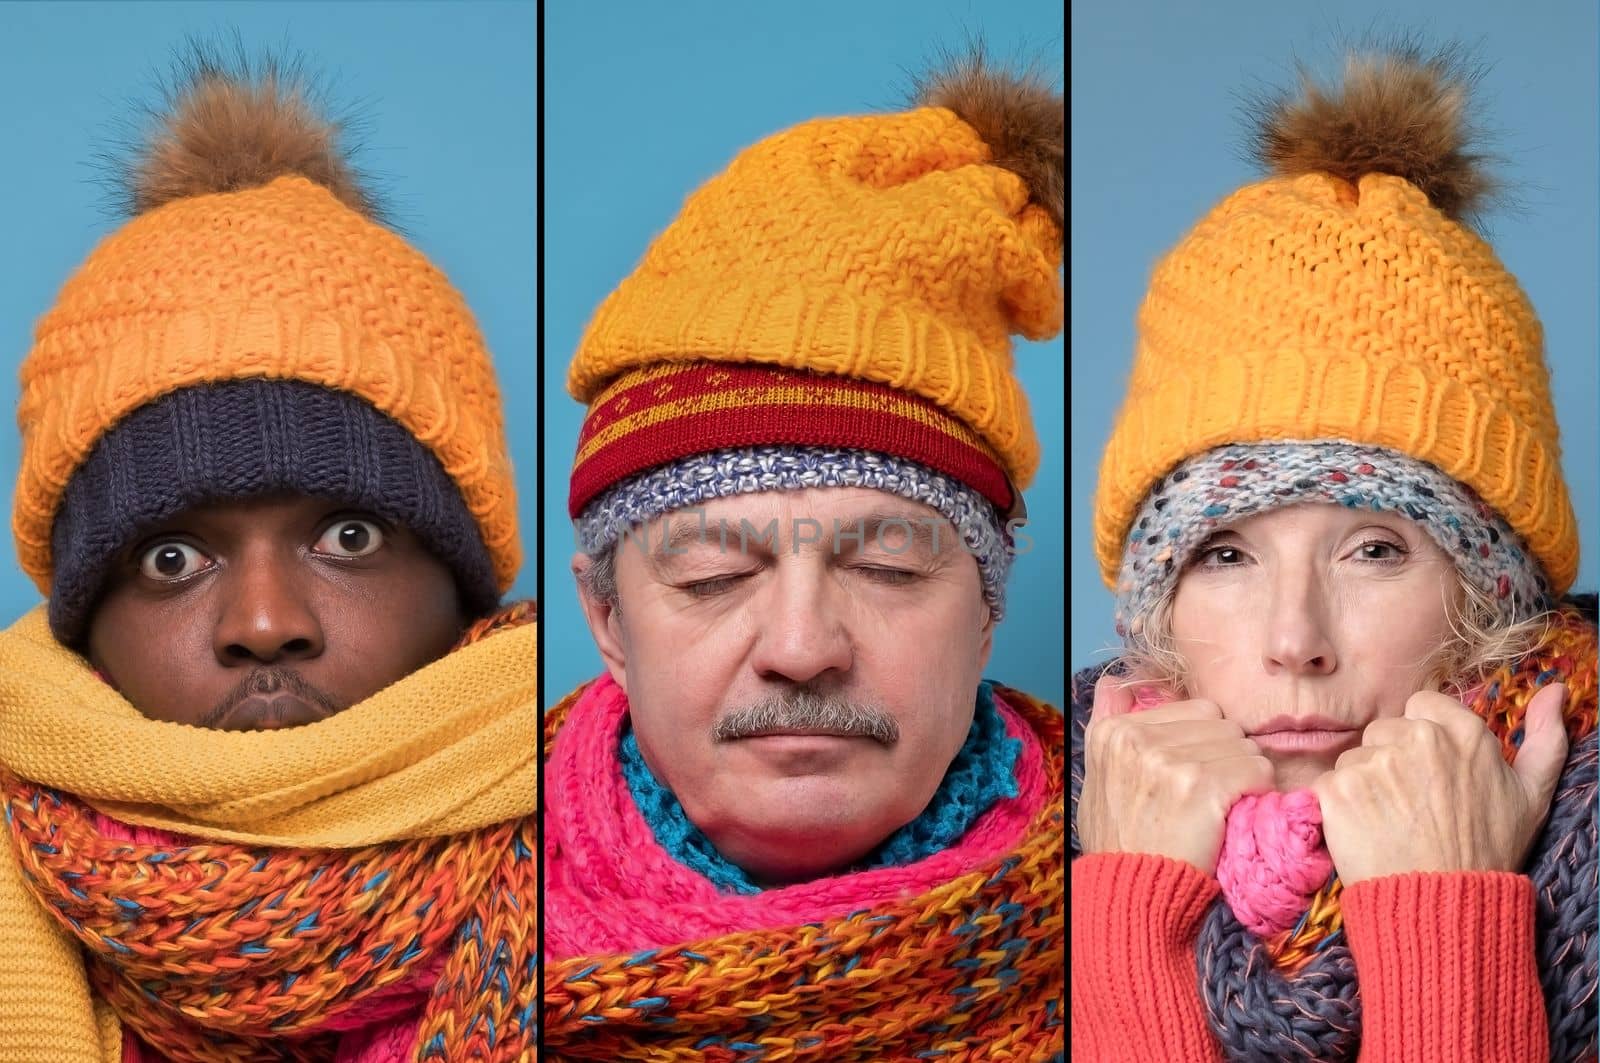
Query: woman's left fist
[[1430, 790]]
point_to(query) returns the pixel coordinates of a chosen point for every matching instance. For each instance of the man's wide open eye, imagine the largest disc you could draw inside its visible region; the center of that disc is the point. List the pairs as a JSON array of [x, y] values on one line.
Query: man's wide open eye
[[350, 537], [171, 560]]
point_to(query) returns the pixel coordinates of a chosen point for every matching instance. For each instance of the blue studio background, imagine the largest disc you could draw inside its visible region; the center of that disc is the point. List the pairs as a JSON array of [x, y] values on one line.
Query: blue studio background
[[1155, 139], [644, 102], [449, 94]]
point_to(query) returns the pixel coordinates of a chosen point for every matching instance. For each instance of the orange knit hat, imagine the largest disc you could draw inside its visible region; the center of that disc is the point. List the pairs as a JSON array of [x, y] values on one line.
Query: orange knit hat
[[1344, 298], [897, 252], [260, 259]]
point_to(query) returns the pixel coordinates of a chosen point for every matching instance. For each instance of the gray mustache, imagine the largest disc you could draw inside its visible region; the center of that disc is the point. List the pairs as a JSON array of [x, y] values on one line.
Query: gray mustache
[[804, 710]]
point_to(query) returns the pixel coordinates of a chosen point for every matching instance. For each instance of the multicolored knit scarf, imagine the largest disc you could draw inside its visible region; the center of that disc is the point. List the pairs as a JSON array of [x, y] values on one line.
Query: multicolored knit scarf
[[225, 952], [1294, 995], [956, 954]]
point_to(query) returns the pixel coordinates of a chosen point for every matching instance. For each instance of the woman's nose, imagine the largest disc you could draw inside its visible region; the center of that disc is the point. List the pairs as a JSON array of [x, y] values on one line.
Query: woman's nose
[[1297, 640]]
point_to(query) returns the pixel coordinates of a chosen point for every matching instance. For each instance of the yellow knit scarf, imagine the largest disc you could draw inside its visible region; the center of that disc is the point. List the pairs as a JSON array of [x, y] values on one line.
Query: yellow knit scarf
[[448, 749]]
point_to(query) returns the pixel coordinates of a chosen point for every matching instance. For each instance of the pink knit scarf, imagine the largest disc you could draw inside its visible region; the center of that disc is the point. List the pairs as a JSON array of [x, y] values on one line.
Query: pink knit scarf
[[610, 888]]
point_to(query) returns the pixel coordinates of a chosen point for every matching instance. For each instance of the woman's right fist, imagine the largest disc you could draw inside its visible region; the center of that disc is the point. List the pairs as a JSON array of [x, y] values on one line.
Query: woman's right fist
[[1161, 780]]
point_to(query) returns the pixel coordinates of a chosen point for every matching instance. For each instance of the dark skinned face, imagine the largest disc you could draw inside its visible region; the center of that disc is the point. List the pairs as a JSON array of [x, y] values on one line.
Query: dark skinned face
[[270, 613]]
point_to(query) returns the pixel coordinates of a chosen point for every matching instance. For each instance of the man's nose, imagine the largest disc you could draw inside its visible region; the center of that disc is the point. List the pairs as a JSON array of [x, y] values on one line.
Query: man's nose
[[266, 615], [803, 634]]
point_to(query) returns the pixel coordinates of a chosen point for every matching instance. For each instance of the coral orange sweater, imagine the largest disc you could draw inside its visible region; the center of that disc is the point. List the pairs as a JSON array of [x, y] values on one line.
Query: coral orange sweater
[[1445, 961]]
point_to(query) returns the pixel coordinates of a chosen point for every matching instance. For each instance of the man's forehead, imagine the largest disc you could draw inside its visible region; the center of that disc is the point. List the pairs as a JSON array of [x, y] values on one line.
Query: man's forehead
[[758, 528]]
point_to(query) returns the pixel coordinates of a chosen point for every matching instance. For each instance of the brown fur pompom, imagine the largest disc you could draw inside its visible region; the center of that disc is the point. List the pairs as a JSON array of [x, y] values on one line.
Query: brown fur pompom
[[1019, 115], [1396, 111], [226, 125]]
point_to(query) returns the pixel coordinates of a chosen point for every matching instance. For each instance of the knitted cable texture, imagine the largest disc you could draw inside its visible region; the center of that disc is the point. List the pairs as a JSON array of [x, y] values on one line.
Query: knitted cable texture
[[281, 281], [1312, 307], [885, 248], [1294, 996], [319, 865], [958, 954]]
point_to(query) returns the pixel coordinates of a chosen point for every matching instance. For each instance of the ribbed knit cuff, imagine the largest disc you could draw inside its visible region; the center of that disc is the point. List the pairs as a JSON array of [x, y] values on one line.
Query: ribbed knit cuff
[[1447, 967], [1135, 995], [250, 438]]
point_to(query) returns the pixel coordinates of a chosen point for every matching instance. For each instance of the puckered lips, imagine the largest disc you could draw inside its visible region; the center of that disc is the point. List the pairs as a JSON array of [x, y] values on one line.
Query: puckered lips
[[272, 713], [269, 699]]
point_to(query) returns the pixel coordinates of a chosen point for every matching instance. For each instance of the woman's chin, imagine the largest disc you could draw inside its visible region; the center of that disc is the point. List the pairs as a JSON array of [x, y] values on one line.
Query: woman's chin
[[1299, 772]]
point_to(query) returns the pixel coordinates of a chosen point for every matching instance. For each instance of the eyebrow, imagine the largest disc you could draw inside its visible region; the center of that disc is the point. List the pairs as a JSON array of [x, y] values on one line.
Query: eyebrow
[[920, 528], [857, 532], [682, 532]]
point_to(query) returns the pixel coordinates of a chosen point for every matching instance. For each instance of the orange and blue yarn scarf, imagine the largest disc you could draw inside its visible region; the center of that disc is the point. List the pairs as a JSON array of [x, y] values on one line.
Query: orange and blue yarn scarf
[[959, 954], [1294, 994], [213, 952]]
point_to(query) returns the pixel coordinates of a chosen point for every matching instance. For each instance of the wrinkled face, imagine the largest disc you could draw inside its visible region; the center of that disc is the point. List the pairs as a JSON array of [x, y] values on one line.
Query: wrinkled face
[[1306, 623], [269, 613], [801, 694]]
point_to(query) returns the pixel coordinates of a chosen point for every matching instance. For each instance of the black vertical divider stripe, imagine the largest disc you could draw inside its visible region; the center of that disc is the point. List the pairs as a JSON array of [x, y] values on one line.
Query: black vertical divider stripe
[[542, 537]]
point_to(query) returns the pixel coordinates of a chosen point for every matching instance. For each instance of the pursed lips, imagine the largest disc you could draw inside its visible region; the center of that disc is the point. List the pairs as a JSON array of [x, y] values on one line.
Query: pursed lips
[[1303, 723], [1306, 734], [269, 699], [274, 712]]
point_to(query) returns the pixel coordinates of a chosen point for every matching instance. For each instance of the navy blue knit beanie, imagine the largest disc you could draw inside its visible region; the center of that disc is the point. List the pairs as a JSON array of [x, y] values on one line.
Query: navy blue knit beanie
[[247, 438]]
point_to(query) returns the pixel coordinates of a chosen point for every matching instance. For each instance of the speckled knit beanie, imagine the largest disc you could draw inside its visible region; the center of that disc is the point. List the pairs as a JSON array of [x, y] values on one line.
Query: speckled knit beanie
[[836, 308], [255, 328], [1338, 333]]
